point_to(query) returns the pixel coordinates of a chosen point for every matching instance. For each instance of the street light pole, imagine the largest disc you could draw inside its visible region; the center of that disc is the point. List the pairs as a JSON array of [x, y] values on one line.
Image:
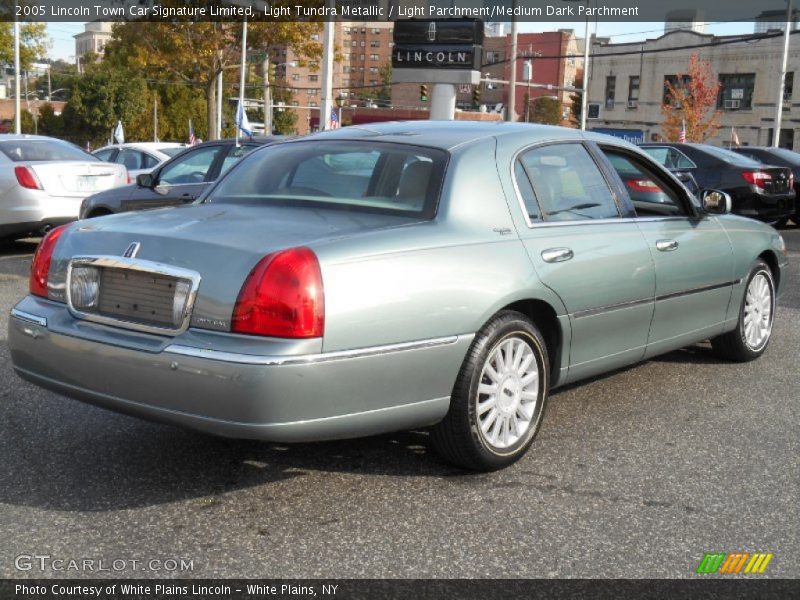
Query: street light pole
[[512, 80], [776, 133], [17, 108], [326, 106], [240, 120]]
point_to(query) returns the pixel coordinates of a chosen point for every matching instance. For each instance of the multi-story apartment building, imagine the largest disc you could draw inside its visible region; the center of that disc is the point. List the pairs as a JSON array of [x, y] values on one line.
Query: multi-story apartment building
[[627, 85], [363, 49]]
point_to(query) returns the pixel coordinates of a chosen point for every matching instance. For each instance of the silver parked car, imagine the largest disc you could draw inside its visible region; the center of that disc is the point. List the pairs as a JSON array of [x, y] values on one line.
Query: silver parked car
[[139, 157], [395, 276], [43, 181]]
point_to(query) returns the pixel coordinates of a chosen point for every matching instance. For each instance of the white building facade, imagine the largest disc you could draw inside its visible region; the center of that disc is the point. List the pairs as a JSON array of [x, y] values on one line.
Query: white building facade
[[627, 85]]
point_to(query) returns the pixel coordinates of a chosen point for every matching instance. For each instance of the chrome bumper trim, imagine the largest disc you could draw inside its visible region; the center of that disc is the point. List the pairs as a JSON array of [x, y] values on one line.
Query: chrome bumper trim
[[302, 359], [28, 317]]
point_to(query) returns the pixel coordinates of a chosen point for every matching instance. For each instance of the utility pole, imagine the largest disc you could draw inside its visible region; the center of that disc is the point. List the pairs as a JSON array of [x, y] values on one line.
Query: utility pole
[[776, 132], [585, 92], [218, 133], [327, 74], [242, 71], [267, 97], [155, 119], [512, 80], [49, 84], [17, 91]]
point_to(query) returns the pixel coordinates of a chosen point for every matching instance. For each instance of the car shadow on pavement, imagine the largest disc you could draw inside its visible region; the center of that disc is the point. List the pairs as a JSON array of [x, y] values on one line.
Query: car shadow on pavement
[[114, 462]]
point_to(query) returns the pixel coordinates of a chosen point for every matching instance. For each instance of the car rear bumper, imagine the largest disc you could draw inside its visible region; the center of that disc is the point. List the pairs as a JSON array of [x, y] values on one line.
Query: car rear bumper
[[764, 207], [287, 398], [31, 211]]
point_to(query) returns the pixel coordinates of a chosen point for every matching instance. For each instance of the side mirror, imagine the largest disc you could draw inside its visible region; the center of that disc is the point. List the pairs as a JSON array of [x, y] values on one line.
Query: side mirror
[[716, 202], [145, 180]]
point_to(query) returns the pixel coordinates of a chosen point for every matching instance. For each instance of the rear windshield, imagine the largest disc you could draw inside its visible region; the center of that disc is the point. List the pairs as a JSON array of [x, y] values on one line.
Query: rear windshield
[[172, 150], [385, 178], [793, 158], [43, 150]]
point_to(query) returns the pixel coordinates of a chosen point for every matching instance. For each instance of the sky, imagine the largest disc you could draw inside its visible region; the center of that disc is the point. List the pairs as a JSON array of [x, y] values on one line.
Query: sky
[[63, 43]]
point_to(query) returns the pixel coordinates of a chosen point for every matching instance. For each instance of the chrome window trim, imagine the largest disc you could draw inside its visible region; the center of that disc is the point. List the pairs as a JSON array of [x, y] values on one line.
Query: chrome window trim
[[28, 317], [134, 264], [304, 359]]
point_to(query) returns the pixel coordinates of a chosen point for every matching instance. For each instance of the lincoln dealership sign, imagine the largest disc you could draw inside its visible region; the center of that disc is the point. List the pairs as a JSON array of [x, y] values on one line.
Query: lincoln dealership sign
[[443, 57], [438, 44]]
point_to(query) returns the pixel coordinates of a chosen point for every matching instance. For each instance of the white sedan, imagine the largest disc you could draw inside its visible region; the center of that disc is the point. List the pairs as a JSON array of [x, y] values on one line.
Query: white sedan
[[43, 181], [139, 157]]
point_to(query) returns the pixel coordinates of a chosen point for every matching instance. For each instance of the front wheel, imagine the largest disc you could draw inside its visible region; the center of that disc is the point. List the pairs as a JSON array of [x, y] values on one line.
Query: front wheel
[[499, 396], [756, 313]]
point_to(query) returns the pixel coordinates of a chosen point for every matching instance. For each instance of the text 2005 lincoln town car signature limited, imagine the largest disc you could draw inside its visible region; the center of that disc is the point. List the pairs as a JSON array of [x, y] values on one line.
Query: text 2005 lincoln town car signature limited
[[395, 276]]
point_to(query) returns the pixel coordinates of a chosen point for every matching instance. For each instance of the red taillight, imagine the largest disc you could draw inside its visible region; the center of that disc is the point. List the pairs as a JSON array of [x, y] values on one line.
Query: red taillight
[[642, 185], [282, 297], [27, 178], [791, 181], [40, 268], [128, 177], [756, 178]]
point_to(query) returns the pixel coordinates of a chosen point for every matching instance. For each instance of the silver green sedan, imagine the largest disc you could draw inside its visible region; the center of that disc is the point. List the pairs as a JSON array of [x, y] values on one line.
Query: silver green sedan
[[394, 276]]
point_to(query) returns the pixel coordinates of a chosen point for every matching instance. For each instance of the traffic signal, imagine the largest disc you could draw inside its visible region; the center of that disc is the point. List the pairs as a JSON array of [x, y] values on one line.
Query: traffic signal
[[476, 95], [423, 93]]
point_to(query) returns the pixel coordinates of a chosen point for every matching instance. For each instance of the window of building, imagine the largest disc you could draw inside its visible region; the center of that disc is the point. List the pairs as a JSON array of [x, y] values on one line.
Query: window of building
[[736, 91], [312, 104], [375, 31], [354, 43], [363, 43], [375, 44], [788, 88], [672, 80], [311, 91], [633, 89], [295, 77], [374, 57], [373, 69], [313, 77], [347, 30], [611, 90]]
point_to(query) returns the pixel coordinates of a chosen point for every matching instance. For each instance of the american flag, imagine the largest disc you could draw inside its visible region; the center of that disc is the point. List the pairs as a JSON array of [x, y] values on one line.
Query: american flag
[[192, 138], [334, 119], [682, 135]]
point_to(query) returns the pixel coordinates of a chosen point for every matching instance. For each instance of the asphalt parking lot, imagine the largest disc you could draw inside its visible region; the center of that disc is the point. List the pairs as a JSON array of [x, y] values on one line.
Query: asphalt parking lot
[[635, 474]]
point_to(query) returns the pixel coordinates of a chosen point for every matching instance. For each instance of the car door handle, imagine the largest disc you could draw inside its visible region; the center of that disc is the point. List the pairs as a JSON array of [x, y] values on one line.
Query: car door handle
[[553, 255], [666, 245]]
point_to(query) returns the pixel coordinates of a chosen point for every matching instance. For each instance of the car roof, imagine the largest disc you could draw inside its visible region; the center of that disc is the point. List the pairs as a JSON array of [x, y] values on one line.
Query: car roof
[[448, 135], [9, 137]]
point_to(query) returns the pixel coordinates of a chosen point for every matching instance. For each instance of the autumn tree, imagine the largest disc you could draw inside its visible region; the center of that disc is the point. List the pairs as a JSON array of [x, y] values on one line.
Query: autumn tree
[[194, 53], [691, 99], [575, 100]]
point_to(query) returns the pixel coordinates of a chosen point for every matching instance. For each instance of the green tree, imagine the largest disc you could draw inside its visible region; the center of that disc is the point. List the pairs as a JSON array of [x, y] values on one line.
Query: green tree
[[101, 97], [196, 52], [33, 43], [546, 110], [284, 122], [575, 101]]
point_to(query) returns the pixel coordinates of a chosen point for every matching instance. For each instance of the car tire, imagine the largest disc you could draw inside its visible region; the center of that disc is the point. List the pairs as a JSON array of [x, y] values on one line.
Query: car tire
[[756, 315], [499, 396]]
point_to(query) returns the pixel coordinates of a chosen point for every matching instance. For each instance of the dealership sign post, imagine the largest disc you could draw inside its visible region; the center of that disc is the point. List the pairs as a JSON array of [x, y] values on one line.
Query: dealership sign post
[[444, 52]]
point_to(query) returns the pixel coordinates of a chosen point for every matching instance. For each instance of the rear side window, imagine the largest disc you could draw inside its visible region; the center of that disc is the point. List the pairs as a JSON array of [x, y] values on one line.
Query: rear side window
[[671, 158], [233, 156], [354, 175], [104, 154], [568, 183]]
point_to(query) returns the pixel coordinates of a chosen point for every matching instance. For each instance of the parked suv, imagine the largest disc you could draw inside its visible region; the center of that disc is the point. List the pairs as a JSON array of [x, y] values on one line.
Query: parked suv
[[757, 190]]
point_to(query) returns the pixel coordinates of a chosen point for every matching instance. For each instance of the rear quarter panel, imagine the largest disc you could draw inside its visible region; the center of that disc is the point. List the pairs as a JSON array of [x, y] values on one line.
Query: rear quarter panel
[[434, 279]]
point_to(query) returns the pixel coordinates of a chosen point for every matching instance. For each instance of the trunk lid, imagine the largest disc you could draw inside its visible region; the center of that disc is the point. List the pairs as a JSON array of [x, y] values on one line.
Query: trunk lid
[[779, 182], [77, 178], [220, 242]]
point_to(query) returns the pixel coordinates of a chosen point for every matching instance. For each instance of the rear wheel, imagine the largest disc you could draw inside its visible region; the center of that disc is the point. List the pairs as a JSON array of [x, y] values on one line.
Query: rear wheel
[[498, 398], [756, 313]]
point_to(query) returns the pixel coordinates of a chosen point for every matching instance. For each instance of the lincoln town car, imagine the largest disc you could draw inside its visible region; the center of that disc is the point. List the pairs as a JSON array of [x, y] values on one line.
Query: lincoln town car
[[371, 279]]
